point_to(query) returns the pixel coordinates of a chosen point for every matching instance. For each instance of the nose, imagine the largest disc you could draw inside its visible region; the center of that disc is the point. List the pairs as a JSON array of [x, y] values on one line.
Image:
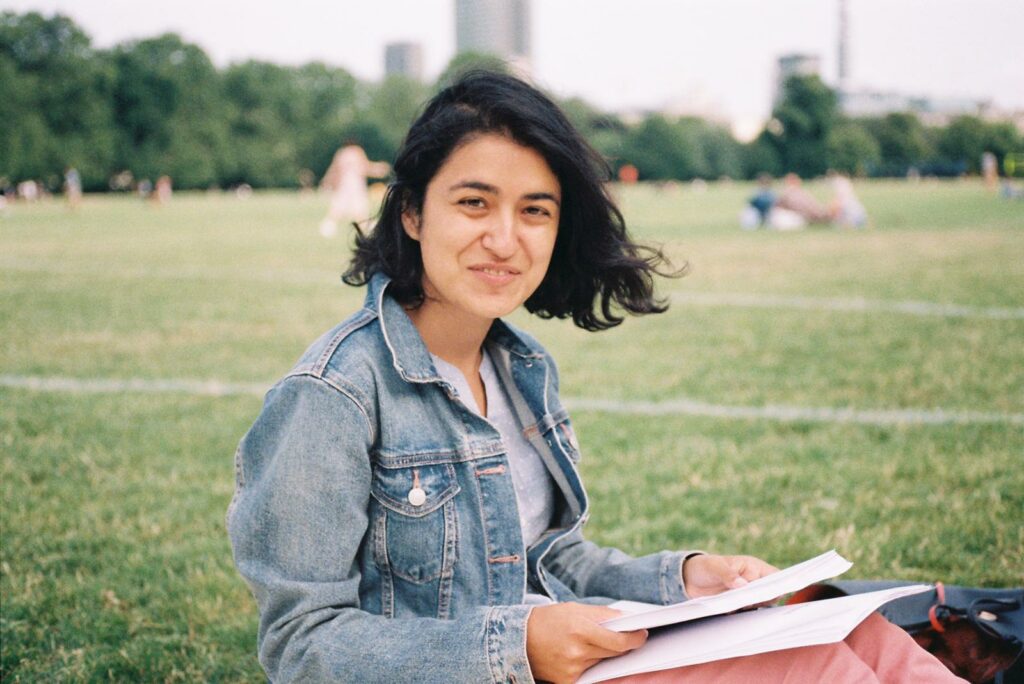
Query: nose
[[500, 236]]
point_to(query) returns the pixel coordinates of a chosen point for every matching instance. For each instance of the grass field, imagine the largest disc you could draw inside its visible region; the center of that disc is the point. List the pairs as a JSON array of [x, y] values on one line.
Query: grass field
[[115, 563]]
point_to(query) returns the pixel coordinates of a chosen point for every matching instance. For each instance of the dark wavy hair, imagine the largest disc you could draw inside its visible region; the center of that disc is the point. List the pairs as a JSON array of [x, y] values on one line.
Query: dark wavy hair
[[595, 264]]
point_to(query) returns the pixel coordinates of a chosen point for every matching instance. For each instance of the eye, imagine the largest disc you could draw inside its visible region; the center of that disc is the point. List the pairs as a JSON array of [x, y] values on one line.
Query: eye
[[537, 211], [472, 202]]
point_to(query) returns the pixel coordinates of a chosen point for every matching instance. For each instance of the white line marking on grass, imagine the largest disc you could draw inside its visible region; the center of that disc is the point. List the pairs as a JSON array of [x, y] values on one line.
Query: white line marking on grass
[[207, 388], [908, 307], [686, 407]]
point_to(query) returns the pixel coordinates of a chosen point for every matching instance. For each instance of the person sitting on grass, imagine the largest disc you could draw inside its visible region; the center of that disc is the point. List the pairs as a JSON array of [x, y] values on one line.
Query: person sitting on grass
[[408, 506], [795, 198]]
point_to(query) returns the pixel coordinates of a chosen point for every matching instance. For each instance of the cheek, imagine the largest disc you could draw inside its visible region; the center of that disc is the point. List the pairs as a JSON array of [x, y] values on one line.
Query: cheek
[[441, 242], [544, 247]]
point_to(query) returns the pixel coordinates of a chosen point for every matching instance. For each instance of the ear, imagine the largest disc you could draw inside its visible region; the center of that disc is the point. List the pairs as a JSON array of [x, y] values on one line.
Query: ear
[[411, 224]]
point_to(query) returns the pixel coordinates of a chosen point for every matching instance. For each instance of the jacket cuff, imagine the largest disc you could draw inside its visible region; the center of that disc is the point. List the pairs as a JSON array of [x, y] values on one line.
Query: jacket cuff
[[671, 580], [506, 644]]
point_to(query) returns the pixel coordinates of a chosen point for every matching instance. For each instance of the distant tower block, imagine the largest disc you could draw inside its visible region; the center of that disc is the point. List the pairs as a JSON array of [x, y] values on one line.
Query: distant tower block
[[844, 43], [404, 59], [494, 27]]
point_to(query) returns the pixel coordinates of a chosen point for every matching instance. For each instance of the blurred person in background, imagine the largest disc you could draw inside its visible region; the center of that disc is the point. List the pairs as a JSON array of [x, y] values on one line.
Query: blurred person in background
[[990, 170], [846, 210], [794, 197], [73, 187], [761, 202], [346, 181], [163, 190]]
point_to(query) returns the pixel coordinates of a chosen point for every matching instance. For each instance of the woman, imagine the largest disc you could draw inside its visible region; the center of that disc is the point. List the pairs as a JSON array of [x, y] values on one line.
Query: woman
[[407, 504]]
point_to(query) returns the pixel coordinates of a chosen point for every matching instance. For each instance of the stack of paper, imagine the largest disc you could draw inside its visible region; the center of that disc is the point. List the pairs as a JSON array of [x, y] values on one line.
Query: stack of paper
[[768, 588], [701, 632]]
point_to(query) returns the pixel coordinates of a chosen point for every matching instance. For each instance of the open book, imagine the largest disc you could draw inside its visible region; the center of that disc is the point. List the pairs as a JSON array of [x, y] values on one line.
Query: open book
[[706, 629]]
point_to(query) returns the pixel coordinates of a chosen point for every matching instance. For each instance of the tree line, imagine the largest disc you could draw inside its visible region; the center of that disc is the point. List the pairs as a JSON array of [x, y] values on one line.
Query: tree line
[[159, 106]]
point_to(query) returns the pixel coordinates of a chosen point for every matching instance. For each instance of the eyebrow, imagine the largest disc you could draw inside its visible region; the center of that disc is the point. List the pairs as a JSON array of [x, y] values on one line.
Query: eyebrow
[[488, 188]]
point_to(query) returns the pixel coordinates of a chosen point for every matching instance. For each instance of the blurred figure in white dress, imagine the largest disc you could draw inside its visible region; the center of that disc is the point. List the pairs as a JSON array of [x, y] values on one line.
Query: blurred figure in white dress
[[346, 180]]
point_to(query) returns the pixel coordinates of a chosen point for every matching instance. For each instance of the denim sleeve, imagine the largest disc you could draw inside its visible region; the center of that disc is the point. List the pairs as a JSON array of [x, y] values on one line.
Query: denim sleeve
[[591, 570], [296, 523]]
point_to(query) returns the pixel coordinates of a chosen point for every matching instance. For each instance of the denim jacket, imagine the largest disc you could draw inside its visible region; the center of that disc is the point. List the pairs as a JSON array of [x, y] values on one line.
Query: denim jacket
[[375, 520]]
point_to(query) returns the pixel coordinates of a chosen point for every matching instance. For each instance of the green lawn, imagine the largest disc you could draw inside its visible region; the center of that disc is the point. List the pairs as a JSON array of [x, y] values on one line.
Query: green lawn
[[115, 563]]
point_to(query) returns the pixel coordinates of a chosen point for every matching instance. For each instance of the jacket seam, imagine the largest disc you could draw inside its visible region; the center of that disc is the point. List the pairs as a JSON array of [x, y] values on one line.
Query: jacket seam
[[360, 319], [342, 391]]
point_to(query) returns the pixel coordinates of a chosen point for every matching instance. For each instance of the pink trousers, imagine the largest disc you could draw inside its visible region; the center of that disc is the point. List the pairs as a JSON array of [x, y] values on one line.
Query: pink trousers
[[876, 651]]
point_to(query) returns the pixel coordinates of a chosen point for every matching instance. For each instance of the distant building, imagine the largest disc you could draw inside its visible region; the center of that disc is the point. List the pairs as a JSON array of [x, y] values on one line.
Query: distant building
[[495, 27], [843, 51], [865, 102], [932, 111], [699, 102], [404, 59]]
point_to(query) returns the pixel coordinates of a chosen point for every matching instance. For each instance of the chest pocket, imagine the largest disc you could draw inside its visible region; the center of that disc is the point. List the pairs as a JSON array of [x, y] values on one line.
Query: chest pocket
[[414, 527]]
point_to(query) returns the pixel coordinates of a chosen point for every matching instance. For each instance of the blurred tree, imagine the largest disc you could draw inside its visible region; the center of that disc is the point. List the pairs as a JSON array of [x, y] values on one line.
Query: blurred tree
[[467, 61], [392, 105], [170, 112], [663, 150], [329, 96], [266, 113], [963, 141], [761, 155], [56, 101], [903, 142], [722, 154], [605, 132], [801, 124], [1003, 138], [966, 138], [852, 149], [159, 106]]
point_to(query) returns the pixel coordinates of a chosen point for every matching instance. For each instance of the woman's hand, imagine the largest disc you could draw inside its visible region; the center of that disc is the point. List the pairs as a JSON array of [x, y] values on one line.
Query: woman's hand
[[564, 639], [707, 574]]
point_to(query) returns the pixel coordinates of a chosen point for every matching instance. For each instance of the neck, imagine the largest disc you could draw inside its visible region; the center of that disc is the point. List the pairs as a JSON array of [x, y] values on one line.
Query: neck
[[456, 338]]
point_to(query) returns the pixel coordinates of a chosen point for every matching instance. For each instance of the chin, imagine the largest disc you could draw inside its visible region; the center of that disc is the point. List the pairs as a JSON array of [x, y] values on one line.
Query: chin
[[496, 309]]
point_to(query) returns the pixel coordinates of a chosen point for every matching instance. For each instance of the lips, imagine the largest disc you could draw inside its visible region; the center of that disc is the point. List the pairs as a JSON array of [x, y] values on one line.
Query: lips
[[495, 275], [495, 270]]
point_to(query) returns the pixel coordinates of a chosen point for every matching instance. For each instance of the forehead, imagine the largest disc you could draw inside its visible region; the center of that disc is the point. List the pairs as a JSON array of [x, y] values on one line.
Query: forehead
[[498, 161]]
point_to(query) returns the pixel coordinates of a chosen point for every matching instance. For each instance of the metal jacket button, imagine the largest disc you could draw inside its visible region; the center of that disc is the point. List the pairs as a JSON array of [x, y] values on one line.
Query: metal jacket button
[[417, 496]]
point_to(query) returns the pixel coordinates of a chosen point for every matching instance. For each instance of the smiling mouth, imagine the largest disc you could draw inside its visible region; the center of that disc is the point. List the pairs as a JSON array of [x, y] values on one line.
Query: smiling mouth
[[495, 271]]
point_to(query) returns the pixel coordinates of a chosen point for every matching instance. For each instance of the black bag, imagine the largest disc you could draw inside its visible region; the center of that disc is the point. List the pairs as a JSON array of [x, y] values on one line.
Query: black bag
[[977, 633]]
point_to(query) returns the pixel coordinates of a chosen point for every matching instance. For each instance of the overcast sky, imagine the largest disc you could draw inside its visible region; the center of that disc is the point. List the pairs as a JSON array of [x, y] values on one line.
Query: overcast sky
[[618, 54]]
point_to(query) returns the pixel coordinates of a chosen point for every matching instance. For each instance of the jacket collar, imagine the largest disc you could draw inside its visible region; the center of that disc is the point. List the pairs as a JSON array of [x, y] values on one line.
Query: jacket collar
[[408, 352]]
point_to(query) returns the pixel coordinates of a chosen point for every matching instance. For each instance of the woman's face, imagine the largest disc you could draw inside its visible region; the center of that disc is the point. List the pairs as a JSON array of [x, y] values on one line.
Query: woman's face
[[487, 229]]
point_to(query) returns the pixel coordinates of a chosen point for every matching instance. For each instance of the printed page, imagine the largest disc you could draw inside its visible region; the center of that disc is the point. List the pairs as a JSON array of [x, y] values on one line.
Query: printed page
[[749, 633], [818, 569]]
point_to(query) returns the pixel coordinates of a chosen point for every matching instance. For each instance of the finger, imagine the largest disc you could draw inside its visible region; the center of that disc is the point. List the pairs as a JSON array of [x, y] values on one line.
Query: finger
[[617, 642]]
